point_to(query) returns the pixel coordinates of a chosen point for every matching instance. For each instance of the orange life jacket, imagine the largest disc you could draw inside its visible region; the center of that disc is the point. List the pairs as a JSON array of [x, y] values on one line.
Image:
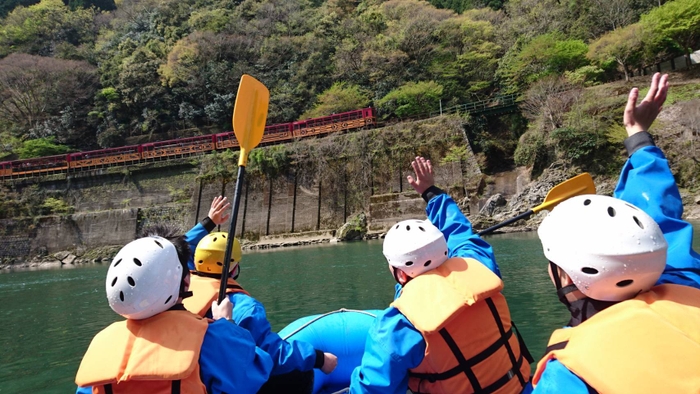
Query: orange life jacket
[[205, 290], [464, 319], [150, 356], [649, 344]]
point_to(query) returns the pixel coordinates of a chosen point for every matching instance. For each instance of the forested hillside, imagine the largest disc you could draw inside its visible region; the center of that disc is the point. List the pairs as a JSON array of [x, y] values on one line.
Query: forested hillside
[[85, 74]]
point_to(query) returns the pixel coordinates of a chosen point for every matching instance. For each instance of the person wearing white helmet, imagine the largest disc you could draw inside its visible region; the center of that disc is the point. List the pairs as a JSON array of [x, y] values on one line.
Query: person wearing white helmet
[[295, 361], [630, 284], [161, 347], [449, 329], [647, 182]]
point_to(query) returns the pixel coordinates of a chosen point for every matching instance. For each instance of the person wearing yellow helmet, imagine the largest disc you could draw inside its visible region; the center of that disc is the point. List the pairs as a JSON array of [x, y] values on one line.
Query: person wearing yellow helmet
[[146, 284], [208, 262], [293, 361], [217, 215]]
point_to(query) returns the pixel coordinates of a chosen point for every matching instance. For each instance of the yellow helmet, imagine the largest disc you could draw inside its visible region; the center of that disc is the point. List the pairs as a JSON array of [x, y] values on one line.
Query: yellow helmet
[[210, 253]]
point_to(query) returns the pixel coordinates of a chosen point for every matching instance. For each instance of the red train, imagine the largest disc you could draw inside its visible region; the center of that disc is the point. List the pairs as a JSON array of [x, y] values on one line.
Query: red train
[[182, 147]]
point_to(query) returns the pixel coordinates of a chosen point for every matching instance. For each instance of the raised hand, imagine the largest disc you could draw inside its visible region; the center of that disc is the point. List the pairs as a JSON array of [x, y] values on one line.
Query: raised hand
[[217, 212], [640, 117], [424, 175]]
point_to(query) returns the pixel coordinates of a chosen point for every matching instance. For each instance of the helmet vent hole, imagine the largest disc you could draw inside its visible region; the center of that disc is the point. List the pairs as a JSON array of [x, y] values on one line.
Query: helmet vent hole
[[587, 202], [121, 296], [409, 263], [639, 223], [408, 228], [131, 281], [114, 281], [397, 226], [116, 263], [624, 283], [215, 239], [611, 212], [223, 236], [168, 300], [200, 262], [159, 244], [219, 263], [427, 263], [445, 253], [589, 270], [421, 228], [137, 262]]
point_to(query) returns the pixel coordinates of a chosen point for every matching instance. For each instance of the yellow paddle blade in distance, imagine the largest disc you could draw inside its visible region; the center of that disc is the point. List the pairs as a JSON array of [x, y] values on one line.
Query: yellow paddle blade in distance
[[249, 115], [580, 184]]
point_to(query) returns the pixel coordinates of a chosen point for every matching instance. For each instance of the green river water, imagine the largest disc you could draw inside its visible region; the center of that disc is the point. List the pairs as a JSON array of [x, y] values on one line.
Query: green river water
[[49, 317]]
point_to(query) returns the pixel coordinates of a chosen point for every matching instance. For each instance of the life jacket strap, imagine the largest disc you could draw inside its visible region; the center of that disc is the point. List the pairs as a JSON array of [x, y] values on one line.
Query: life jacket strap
[[501, 328], [174, 387], [555, 346], [523, 346]]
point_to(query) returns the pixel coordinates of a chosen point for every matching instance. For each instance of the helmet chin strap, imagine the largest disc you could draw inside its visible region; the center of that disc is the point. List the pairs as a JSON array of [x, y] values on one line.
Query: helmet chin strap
[[184, 294], [581, 309], [561, 291]]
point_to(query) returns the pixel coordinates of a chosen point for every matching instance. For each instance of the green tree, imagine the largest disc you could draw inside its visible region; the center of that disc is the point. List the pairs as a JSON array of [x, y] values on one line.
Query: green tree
[[545, 55], [41, 147], [675, 26], [412, 99], [460, 6], [624, 46], [40, 28], [340, 97], [468, 56], [531, 18]]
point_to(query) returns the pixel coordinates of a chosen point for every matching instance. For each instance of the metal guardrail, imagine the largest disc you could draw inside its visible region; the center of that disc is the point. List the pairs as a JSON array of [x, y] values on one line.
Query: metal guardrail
[[495, 104]]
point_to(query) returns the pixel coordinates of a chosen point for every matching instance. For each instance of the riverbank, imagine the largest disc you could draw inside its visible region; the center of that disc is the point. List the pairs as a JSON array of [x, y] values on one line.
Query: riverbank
[[74, 259], [69, 260]]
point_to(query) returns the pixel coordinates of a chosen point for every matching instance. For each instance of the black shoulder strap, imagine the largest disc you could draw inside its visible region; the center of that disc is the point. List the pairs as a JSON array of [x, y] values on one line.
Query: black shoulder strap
[[523, 347]]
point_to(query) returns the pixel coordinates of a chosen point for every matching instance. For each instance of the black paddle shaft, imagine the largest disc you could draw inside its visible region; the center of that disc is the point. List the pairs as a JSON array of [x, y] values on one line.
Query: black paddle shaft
[[231, 233], [507, 222]]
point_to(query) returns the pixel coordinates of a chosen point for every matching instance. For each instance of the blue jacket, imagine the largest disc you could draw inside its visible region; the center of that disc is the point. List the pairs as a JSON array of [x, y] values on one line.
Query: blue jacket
[[229, 361], [196, 233], [250, 314], [394, 346], [646, 181]]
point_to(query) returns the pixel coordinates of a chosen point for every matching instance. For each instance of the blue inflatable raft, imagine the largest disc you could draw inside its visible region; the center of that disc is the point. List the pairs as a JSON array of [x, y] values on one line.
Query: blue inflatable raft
[[343, 333]]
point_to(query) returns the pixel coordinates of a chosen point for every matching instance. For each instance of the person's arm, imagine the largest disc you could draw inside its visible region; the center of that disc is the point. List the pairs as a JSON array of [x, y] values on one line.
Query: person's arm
[[217, 215], [462, 241], [444, 213], [646, 181], [556, 379], [393, 347], [250, 314], [229, 361]]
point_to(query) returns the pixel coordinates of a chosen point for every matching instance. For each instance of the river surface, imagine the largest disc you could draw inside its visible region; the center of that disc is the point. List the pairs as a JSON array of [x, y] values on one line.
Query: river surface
[[49, 317]]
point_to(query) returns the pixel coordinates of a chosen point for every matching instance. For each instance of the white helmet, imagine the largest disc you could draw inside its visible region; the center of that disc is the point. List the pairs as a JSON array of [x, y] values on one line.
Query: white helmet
[[415, 246], [144, 278], [611, 249]]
